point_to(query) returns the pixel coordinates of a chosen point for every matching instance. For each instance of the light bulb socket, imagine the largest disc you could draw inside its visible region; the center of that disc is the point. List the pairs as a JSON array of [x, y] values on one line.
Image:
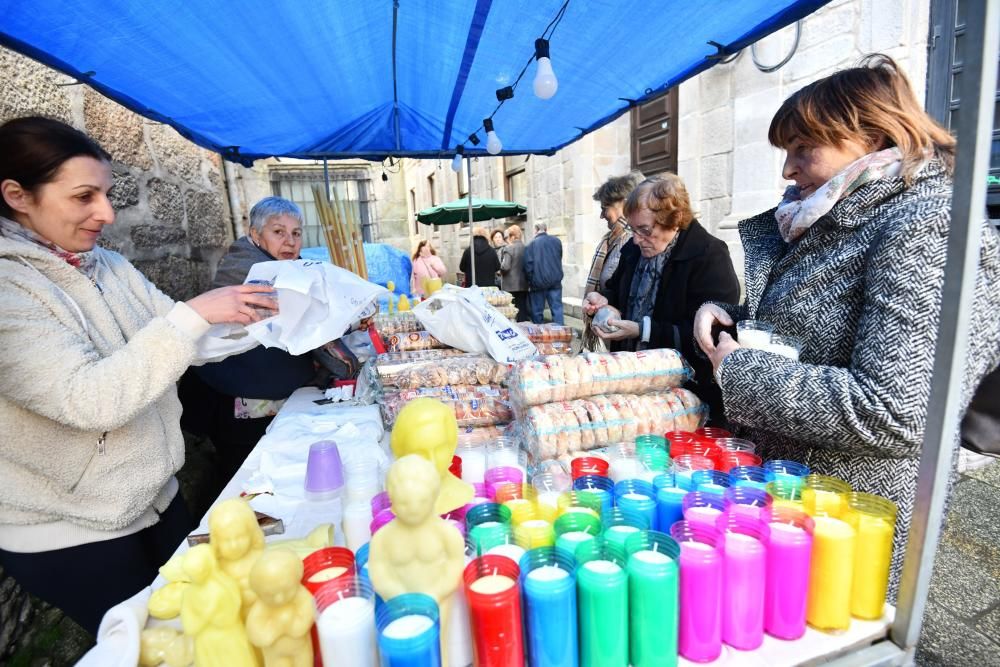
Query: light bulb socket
[[505, 93], [488, 124], [385, 176], [473, 139], [541, 48], [460, 150]]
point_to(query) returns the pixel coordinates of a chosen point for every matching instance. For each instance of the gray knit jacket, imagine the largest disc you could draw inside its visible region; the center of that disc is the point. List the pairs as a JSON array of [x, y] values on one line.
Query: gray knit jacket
[[863, 290]]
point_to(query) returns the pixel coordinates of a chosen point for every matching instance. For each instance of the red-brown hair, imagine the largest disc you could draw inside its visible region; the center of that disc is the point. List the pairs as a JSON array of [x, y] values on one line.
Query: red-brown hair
[[872, 104], [425, 242], [666, 197]]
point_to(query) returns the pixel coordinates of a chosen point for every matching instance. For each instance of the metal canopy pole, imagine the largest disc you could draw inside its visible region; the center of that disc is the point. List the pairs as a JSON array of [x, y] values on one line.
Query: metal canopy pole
[[967, 212], [472, 237]]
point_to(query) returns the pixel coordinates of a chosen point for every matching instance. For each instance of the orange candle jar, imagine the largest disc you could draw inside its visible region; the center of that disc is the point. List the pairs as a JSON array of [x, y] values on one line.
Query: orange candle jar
[[873, 519]]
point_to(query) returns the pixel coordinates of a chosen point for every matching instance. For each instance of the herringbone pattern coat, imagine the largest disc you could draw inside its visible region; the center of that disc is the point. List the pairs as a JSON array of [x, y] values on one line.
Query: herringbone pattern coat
[[862, 288]]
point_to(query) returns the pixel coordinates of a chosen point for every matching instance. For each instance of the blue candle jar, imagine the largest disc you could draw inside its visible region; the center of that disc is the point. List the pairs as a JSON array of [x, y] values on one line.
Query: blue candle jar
[[548, 588], [637, 496], [597, 486], [669, 500], [791, 472], [409, 631], [709, 481], [753, 476]]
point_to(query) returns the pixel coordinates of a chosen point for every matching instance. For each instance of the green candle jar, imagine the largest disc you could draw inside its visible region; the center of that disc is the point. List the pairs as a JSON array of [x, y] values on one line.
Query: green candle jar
[[652, 598], [602, 599]]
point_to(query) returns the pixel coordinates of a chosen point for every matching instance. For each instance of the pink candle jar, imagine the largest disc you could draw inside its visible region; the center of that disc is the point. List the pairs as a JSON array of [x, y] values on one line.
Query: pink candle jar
[[700, 618], [788, 556], [744, 570], [748, 501], [703, 508]]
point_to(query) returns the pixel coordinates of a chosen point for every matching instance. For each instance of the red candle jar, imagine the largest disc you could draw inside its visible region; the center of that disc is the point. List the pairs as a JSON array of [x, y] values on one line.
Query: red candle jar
[[713, 432], [679, 440], [456, 466], [588, 465], [736, 445], [726, 460], [321, 567], [494, 598]]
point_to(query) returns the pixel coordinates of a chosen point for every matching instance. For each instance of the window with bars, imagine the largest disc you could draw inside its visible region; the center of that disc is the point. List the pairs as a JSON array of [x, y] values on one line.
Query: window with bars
[[351, 186]]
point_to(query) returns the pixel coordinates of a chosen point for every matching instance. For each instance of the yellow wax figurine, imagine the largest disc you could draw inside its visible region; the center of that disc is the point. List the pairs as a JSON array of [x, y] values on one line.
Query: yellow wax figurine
[[427, 427], [210, 613], [321, 536], [280, 619], [163, 645], [237, 541], [404, 303], [417, 552]]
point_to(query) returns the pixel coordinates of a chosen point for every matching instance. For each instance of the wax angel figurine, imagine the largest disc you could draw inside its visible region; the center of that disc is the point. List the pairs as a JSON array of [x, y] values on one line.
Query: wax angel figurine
[[427, 427], [164, 645], [237, 541], [417, 552], [280, 619], [210, 613]]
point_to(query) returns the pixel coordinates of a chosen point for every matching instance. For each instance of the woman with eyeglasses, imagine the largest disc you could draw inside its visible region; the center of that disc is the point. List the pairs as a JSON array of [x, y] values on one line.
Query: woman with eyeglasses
[[671, 266]]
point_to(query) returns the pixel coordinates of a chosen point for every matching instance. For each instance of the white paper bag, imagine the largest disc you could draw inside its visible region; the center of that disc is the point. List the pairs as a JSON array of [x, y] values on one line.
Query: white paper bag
[[461, 317]]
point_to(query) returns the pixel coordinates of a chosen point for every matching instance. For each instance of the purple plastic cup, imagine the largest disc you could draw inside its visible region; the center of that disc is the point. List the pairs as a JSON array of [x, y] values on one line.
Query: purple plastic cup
[[324, 469]]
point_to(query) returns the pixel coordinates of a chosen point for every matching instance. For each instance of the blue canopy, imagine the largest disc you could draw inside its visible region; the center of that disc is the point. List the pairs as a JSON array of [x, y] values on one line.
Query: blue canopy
[[374, 78]]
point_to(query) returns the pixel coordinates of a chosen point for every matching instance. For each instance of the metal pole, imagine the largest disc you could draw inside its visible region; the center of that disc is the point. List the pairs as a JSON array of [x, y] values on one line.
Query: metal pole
[[967, 210], [472, 237], [326, 179]]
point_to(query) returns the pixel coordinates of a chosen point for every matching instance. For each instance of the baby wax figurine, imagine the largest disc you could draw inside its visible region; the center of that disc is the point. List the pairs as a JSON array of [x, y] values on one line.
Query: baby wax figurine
[[163, 645], [417, 552], [210, 613], [280, 619], [237, 541], [427, 427]]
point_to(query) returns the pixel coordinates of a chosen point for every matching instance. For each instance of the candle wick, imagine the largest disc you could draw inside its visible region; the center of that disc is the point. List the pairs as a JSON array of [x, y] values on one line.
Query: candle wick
[[655, 544], [494, 572]]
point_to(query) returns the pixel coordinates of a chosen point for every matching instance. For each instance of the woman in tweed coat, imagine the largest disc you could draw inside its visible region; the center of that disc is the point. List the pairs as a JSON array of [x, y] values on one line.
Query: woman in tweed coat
[[852, 262]]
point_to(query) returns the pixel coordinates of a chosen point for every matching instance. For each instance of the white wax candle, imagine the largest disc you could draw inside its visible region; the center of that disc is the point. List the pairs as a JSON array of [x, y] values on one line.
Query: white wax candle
[[406, 627], [755, 338], [459, 631], [511, 551], [602, 567], [535, 524], [698, 546], [491, 584], [652, 557], [473, 465], [702, 514], [711, 488], [635, 496], [548, 573], [789, 528], [576, 536], [783, 350], [627, 468], [327, 574], [550, 498], [357, 522], [623, 529], [346, 632]]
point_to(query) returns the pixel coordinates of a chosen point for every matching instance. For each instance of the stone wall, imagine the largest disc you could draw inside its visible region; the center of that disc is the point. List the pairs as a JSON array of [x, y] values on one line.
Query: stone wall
[[172, 214]]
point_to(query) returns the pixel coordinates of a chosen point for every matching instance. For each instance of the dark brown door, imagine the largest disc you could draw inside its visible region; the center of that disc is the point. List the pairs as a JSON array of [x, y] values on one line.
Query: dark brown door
[[654, 134]]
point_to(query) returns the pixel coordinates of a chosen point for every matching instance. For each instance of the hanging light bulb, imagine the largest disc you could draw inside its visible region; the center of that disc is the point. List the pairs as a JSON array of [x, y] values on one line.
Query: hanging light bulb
[[456, 162], [545, 83], [493, 145]]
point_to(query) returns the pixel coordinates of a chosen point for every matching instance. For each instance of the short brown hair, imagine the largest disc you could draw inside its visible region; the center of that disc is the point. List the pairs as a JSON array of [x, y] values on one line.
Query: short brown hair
[[666, 197], [873, 104]]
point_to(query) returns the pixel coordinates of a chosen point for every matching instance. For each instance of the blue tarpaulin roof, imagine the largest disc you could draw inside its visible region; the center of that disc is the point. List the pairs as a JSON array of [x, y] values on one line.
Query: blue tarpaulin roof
[[327, 78]]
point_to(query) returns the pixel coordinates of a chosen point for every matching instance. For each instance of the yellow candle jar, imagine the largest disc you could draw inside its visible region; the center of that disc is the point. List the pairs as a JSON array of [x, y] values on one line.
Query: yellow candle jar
[[831, 570], [822, 495], [873, 519]]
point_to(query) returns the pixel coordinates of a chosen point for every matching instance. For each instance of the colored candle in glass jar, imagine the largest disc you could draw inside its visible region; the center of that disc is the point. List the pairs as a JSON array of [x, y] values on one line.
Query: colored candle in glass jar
[[831, 574], [653, 579], [494, 600], [873, 519], [700, 599], [550, 613], [345, 625], [602, 596], [744, 572], [409, 632], [788, 559]]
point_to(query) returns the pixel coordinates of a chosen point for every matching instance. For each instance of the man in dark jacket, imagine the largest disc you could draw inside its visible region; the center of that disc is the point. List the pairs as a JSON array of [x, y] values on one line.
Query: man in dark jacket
[[487, 262], [543, 268]]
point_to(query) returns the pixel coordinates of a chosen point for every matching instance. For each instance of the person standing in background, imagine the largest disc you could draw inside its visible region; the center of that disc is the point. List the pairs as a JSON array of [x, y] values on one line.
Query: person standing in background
[[611, 195], [543, 269], [512, 276], [426, 265], [497, 239], [487, 262]]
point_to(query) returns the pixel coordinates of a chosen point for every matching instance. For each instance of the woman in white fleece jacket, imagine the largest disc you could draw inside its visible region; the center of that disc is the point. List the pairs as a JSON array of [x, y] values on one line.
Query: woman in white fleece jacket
[[90, 352]]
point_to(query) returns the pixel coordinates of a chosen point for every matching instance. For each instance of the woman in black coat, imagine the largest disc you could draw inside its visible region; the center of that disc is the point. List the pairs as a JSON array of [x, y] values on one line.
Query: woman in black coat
[[667, 271]]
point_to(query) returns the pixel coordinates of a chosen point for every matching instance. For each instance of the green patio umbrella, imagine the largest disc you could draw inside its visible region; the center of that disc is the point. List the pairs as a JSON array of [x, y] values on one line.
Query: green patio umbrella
[[462, 209]]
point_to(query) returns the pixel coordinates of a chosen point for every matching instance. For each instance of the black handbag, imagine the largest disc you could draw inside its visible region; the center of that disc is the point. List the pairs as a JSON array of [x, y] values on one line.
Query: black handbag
[[981, 425]]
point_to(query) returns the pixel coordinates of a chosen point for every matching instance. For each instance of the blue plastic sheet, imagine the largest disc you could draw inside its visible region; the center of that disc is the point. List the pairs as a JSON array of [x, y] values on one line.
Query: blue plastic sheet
[[384, 262], [339, 78]]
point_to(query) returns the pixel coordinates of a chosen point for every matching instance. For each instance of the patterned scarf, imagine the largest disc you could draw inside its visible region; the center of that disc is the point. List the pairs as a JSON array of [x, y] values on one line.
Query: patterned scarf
[[611, 241], [796, 215], [646, 284], [84, 262]]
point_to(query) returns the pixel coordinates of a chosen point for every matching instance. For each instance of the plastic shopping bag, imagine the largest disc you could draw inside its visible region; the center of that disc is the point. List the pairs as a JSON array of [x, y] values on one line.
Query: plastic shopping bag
[[461, 317]]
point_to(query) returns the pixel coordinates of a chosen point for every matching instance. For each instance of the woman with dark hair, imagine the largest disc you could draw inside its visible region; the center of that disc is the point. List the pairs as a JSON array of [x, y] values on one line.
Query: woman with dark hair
[[851, 262], [91, 351], [668, 269]]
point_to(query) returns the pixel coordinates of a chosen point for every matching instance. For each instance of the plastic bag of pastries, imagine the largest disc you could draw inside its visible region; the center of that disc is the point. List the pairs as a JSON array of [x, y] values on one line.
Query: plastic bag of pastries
[[630, 374], [693, 415], [541, 432], [557, 379], [597, 425]]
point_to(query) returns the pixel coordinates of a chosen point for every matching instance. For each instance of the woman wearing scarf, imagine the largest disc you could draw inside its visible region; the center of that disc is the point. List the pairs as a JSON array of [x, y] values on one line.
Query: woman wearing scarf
[[234, 401], [852, 263], [611, 195], [671, 266], [90, 352]]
